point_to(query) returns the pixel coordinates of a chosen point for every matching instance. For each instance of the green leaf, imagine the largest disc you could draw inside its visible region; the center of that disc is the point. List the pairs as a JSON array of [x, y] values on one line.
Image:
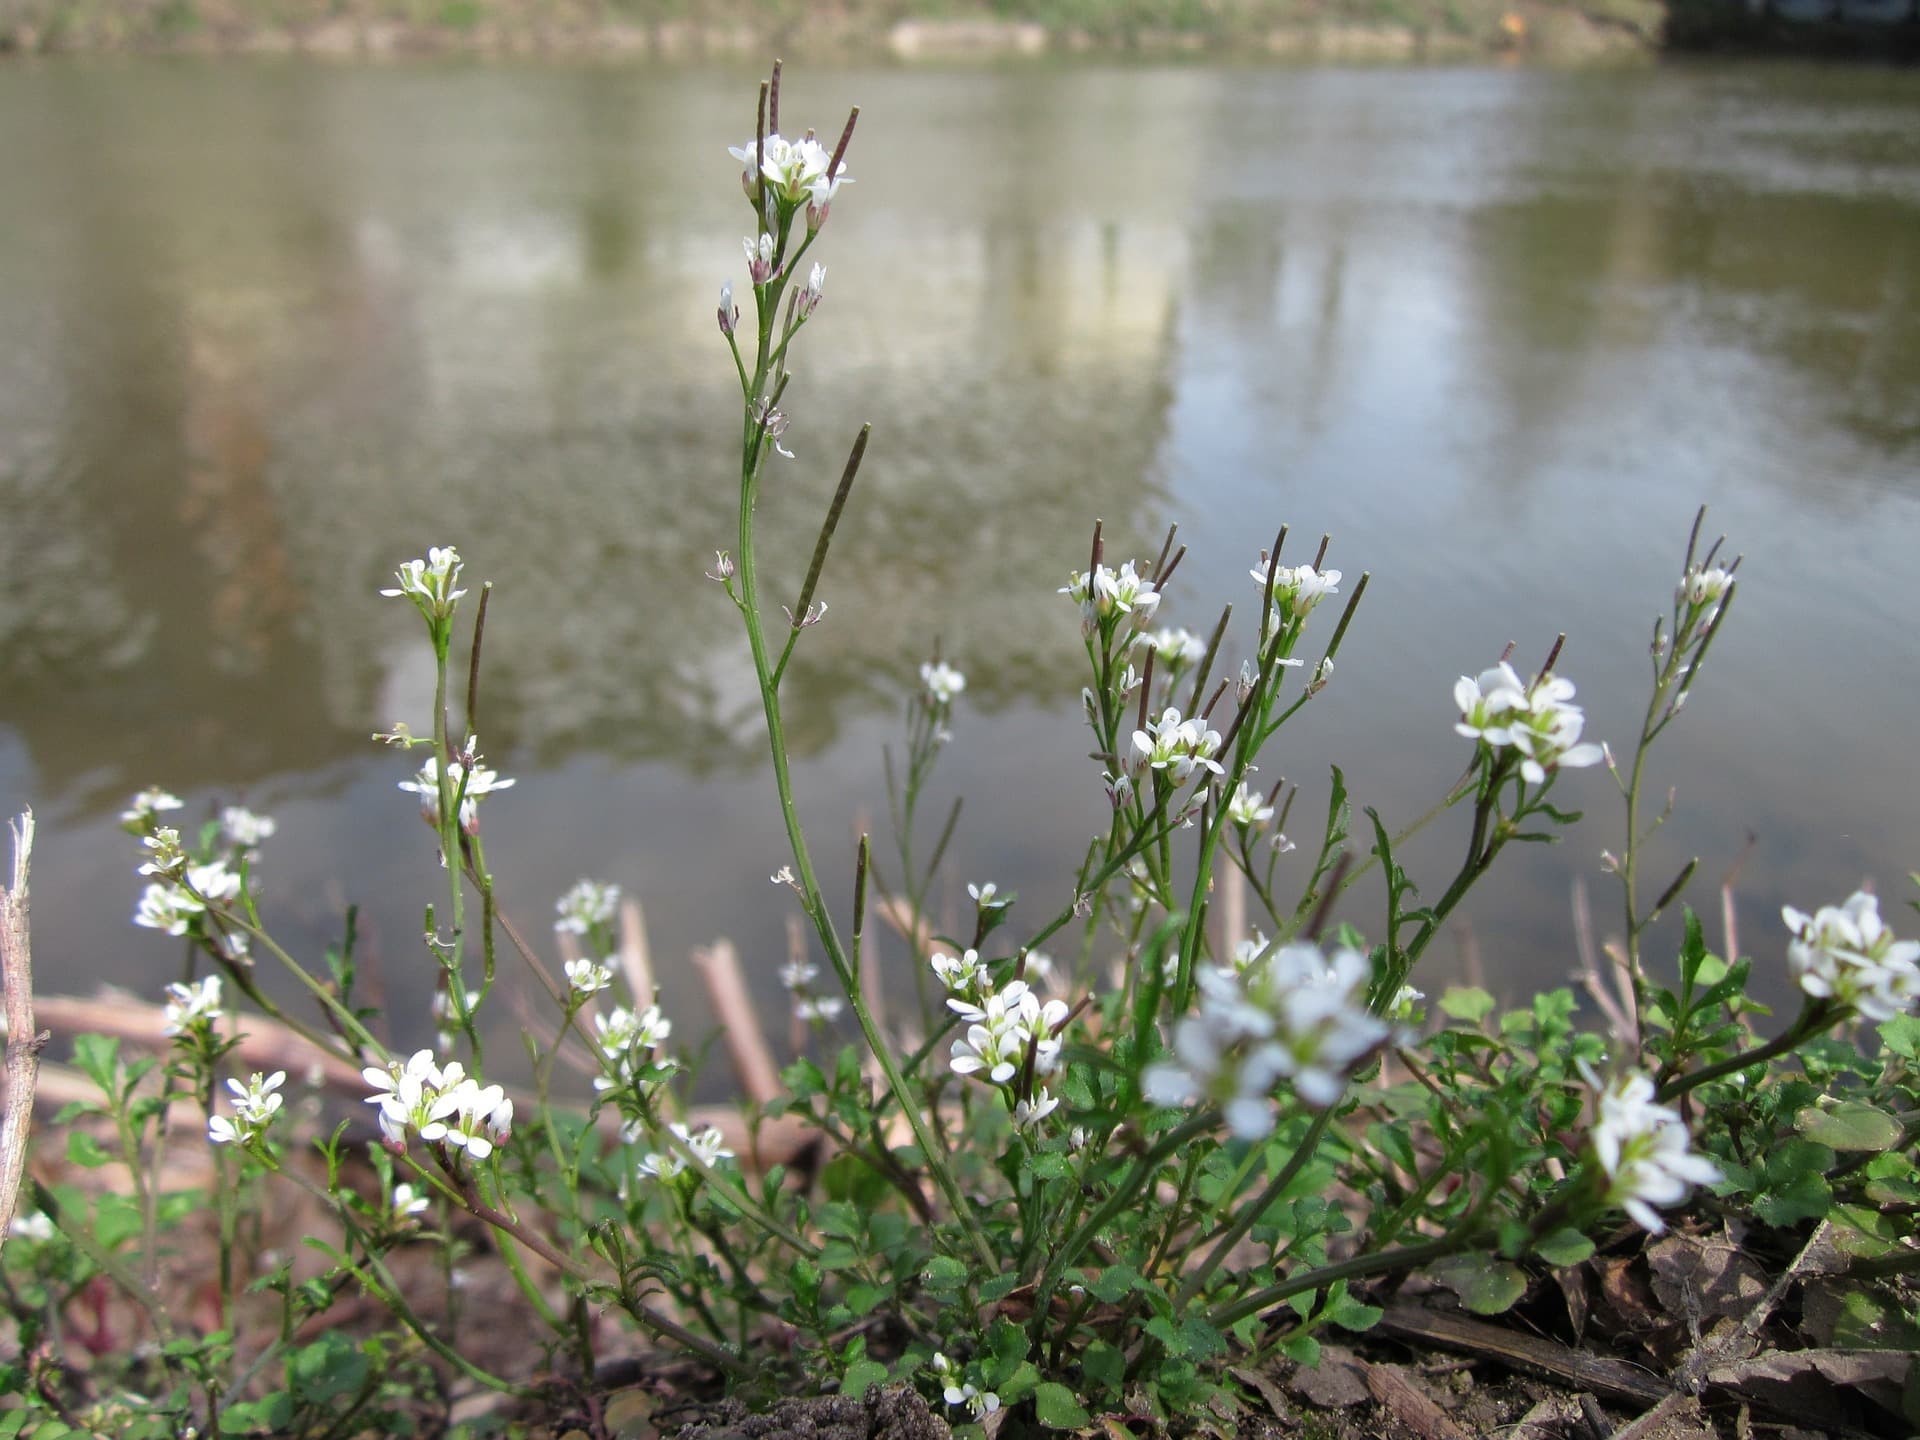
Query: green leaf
[[1565, 1246], [1051, 1165], [1850, 1125], [271, 1415], [840, 1219], [1115, 1283], [1348, 1313], [1024, 1380], [97, 1056], [1056, 1407], [1302, 1349], [1485, 1286], [863, 1300], [1901, 1035], [803, 1079], [1105, 1366], [1466, 1002], [83, 1150], [861, 1376], [1805, 1197], [943, 1275]]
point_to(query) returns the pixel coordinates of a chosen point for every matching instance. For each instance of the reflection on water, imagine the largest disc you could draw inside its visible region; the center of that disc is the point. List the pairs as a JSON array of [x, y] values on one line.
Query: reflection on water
[[266, 330]]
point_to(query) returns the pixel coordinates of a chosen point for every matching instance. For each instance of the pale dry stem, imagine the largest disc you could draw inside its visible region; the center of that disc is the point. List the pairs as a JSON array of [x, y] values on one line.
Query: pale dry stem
[[24, 1043]]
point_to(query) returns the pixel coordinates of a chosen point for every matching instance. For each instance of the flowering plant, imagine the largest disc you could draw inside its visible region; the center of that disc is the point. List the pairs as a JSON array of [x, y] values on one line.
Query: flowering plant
[[1063, 1189]]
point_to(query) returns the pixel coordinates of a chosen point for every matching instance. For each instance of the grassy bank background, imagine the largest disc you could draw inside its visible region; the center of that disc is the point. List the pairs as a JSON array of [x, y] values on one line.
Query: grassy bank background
[[1345, 30]]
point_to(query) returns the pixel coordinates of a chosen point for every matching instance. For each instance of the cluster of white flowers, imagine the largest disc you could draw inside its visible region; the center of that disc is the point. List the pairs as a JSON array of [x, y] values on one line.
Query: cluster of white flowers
[[439, 1103], [1003, 1029], [1296, 590], [1248, 809], [1174, 747], [587, 904], [429, 583], [1847, 953], [1702, 588], [1644, 1149], [1109, 592], [963, 975], [941, 682], [244, 829], [956, 1391], [708, 1147], [140, 812], [1294, 1016], [628, 1043], [588, 977], [795, 170], [478, 779], [808, 1004], [254, 1106], [1540, 721], [182, 894], [191, 1006], [1174, 648]]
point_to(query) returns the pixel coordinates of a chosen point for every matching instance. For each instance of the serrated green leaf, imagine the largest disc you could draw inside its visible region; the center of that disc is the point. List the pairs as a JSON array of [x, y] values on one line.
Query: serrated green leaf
[[1115, 1283], [1805, 1197], [1056, 1407], [1302, 1349], [1466, 1002], [943, 1275], [1105, 1366], [1850, 1125]]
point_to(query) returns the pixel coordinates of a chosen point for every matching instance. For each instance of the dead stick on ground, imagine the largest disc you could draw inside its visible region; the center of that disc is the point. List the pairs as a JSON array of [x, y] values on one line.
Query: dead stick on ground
[[23, 1042]]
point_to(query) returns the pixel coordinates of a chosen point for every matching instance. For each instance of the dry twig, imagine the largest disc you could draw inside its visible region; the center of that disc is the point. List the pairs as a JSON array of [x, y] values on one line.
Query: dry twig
[[24, 1043]]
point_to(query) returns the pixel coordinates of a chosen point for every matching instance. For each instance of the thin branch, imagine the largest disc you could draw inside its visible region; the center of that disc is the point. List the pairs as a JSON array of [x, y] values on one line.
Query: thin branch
[[24, 1043]]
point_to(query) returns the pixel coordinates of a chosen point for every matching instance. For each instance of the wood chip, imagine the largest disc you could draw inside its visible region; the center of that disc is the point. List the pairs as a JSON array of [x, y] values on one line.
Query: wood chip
[[1602, 1374], [1408, 1401]]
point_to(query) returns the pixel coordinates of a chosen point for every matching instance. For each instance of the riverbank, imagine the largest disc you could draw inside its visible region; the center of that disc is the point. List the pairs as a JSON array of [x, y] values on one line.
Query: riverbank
[[1344, 31]]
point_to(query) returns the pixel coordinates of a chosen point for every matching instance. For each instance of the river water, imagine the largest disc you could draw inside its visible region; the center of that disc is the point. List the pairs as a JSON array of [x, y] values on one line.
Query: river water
[[267, 329]]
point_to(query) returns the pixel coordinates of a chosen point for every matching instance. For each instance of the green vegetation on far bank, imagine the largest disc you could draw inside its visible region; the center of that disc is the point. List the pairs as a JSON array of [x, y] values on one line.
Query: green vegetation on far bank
[[1345, 30]]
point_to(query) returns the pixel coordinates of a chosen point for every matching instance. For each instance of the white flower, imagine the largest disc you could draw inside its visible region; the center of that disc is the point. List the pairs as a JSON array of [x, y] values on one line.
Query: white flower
[[36, 1226], [1296, 588], [1405, 1005], [1704, 585], [1003, 1029], [167, 857], [1846, 953], [1248, 809], [1644, 1149], [1107, 593], [1174, 747], [588, 977], [759, 257], [1294, 1016], [189, 1006], [1029, 1113], [146, 805], [254, 1106], [809, 1008], [629, 1042], [810, 297], [1485, 704], [429, 583], [244, 829], [407, 1204], [470, 1117], [587, 904], [984, 896], [799, 974], [407, 1094], [795, 170], [941, 682], [708, 1147], [963, 975], [214, 882], [479, 782], [168, 908], [1174, 647], [1540, 721]]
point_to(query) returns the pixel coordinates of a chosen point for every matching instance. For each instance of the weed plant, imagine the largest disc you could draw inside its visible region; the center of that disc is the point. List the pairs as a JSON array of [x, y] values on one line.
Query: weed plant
[[1111, 1164]]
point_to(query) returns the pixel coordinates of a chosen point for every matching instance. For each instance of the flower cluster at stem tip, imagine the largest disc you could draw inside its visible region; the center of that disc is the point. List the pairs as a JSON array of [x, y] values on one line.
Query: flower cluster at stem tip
[[254, 1106], [1012, 1036], [1292, 1015], [1847, 954], [1644, 1150], [440, 1103], [1539, 722]]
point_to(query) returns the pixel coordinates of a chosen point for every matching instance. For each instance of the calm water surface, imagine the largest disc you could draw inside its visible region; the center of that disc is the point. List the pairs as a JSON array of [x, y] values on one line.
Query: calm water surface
[[267, 330]]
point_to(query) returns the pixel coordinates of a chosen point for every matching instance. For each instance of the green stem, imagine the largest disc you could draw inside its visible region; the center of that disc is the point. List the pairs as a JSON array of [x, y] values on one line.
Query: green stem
[[1249, 1215], [1407, 1257], [1815, 1017]]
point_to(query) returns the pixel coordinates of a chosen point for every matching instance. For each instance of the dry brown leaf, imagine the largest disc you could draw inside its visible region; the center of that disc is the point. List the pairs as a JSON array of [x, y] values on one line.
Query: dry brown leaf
[[1336, 1383], [1705, 1277]]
